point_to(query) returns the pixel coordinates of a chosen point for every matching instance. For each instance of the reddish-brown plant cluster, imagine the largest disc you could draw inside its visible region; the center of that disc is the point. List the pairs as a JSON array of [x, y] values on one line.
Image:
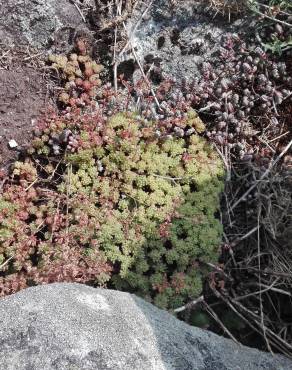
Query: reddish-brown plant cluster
[[238, 94], [80, 76], [34, 257]]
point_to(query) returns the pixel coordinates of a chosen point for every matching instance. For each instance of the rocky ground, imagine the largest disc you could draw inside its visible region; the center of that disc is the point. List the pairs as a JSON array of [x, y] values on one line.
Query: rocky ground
[[164, 57]]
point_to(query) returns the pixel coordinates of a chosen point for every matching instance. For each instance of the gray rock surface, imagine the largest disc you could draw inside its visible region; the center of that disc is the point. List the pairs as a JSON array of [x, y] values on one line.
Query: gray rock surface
[[40, 23], [176, 38], [74, 327]]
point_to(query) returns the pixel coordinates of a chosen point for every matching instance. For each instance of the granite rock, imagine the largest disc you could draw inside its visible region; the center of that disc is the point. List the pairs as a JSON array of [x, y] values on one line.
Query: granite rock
[[75, 327]]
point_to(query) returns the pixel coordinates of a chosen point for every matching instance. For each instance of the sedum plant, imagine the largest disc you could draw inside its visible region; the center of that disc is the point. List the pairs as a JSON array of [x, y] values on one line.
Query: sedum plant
[[112, 201]]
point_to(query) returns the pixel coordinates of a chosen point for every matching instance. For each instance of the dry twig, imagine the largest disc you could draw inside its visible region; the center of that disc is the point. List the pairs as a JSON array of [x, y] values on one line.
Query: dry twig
[[265, 174]]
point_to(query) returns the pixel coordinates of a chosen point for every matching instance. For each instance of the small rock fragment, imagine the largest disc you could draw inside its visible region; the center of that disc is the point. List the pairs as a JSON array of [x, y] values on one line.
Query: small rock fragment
[[12, 144]]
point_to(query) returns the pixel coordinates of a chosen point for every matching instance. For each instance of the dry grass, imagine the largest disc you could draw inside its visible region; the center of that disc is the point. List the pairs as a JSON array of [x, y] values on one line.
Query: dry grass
[[258, 255], [227, 7]]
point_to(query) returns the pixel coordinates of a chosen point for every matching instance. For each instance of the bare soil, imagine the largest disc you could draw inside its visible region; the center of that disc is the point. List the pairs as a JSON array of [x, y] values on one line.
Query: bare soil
[[22, 98]]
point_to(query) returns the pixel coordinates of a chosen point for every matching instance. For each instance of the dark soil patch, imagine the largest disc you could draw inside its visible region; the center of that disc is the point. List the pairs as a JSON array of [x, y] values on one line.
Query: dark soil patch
[[22, 97]]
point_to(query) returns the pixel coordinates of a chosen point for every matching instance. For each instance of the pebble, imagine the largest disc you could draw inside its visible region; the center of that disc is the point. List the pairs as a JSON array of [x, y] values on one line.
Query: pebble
[[12, 144]]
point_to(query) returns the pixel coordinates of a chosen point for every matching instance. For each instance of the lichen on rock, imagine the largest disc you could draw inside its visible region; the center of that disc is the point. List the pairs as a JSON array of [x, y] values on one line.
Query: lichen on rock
[[40, 23]]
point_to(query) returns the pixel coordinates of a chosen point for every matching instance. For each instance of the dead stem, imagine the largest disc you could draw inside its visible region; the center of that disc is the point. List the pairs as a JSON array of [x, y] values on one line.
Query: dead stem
[[260, 282], [189, 305], [213, 314]]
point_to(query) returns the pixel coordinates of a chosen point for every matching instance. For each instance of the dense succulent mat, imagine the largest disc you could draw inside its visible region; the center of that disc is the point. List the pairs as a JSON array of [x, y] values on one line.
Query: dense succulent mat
[[112, 199]]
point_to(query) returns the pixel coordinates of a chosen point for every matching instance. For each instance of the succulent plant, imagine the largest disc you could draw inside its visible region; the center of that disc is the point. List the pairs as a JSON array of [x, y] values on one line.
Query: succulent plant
[[80, 75], [104, 199], [234, 94]]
